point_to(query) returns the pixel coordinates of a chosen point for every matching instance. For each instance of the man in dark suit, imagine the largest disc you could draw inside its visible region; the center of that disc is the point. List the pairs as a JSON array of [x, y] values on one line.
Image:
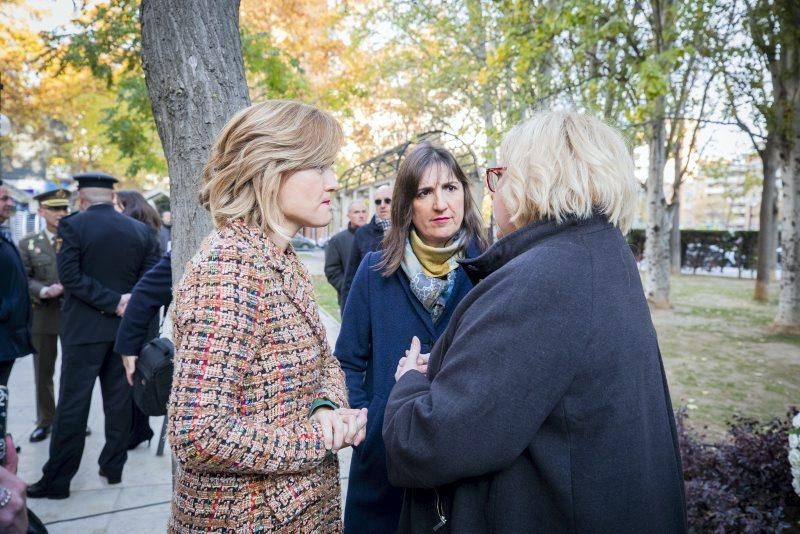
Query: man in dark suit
[[38, 252], [368, 238], [340, 246], [15, 305], [103, 253]]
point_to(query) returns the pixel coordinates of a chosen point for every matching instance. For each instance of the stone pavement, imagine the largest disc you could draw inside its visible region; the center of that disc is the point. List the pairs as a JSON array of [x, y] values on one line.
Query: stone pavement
[[140, 504]]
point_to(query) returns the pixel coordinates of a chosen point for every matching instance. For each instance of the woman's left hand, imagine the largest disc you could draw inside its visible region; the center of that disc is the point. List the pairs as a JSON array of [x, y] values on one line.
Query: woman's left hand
[[413, 360]]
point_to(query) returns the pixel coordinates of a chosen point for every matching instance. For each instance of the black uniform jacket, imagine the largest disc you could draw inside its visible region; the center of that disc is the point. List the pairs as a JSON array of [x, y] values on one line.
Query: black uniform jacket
[[103, 254], [15, 304]]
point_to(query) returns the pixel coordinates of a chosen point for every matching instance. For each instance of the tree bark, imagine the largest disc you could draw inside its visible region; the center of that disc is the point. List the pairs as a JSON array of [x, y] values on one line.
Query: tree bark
[[192, 59], [788, 316], [674, 214], [656, 246], [674, 210], [767, 225]]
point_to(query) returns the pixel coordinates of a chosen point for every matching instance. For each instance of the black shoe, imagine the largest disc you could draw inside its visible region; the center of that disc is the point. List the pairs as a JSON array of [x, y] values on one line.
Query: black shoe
[[39, 433], [138, 439], [111, 479], [41, 490]]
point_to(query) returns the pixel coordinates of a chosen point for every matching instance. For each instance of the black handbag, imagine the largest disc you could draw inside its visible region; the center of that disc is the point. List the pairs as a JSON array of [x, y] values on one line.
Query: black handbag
[[152, 379]]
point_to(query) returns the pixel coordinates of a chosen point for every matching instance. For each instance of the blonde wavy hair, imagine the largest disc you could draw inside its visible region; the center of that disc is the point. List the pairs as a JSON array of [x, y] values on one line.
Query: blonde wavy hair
[[257, 148], [565, 164]]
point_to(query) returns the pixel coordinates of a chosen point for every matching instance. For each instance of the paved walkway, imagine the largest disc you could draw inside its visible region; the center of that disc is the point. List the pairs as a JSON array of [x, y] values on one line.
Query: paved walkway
[[94, 507]]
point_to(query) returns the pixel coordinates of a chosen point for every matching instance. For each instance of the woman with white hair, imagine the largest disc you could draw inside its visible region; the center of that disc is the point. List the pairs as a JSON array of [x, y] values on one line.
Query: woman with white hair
[[258, 404], [545, 406]]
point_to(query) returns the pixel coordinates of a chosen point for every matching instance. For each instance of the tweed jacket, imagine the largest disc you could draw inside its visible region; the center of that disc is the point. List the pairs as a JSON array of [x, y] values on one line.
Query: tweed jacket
[[39, 258], [251, 357]]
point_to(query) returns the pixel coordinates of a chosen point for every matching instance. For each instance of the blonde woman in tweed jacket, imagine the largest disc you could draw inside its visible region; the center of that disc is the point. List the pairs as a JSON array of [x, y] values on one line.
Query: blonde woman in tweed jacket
[[258, 403]]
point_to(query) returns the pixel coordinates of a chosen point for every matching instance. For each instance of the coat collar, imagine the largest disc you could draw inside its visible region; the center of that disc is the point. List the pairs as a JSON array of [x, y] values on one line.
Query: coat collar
[[523, 239], [295, 282]]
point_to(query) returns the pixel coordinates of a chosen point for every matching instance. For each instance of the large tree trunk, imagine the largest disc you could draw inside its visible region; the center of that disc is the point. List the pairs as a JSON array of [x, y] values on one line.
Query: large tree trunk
[[788, 317], [192, 59], [656, 246], [767, 226]]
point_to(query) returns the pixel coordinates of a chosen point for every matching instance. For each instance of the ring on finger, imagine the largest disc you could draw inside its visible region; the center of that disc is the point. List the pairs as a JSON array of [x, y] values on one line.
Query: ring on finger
[[5, 496]]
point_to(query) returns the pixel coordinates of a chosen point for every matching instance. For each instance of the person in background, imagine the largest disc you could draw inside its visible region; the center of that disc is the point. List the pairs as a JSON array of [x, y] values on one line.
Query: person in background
[[165, 234], [15, 303], [258, 404], [339, 247], [544, 406], [409, 288], [152, 292], [102, 255], [38, 252], [135, 205], [368, 238]]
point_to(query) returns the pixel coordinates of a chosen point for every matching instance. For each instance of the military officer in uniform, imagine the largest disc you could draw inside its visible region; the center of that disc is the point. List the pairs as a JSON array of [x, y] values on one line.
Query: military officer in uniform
[[103, 253], [38, 252]]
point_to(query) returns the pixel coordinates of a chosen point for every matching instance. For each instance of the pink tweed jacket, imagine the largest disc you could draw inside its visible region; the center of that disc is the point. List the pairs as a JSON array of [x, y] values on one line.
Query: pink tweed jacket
[[251, 356]]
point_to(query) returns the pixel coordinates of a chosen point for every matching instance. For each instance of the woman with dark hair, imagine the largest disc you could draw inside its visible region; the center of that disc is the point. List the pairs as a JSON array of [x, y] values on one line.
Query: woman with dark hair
[[133, 204], [410, 288]]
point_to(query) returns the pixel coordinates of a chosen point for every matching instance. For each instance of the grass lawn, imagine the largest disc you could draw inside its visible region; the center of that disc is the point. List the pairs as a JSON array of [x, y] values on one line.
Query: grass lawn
[[718, 353], [326, 296]]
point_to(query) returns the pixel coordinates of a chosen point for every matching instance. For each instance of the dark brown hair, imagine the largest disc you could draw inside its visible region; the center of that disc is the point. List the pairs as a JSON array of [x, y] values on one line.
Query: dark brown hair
[[136, 206], [411, 171]]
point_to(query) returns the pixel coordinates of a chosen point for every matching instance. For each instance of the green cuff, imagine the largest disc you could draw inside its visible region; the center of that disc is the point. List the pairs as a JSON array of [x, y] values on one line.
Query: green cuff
[[319, 403]]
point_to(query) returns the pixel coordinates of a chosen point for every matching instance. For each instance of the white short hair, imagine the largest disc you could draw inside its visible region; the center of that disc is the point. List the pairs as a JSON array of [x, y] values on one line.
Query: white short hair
[[565, 164]]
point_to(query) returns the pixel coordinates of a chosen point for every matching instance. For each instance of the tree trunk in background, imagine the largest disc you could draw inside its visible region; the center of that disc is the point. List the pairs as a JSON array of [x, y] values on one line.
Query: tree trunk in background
[[192, 58], [768, 224], [656, 246], [674, 214], [788, 316], [674, 211]]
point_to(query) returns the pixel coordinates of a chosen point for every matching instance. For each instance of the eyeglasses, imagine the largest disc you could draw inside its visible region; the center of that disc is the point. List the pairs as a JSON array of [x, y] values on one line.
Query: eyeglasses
[[379, 201], [493, 175]]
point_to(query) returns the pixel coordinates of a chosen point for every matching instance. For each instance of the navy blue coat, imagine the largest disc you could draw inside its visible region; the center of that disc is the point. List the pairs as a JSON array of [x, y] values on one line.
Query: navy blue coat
[[546, 407], [150, 293], [15, 304], [380, 317], [103, 254]]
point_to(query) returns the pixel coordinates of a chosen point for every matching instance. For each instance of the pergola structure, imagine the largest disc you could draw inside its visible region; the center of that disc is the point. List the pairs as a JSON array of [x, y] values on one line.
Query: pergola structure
[[361, 181]]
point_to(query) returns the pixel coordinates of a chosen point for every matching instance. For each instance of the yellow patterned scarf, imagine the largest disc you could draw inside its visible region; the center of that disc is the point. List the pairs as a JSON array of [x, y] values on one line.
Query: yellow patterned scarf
[[435, 261]]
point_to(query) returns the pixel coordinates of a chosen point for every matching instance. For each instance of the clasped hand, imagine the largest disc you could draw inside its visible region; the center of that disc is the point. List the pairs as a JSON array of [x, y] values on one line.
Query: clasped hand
[[123, 304], [412, 361], [54, 290], [342, 427]]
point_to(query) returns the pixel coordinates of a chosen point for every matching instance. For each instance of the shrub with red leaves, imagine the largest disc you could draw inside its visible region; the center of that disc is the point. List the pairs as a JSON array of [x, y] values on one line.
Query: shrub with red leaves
[[742, 483]]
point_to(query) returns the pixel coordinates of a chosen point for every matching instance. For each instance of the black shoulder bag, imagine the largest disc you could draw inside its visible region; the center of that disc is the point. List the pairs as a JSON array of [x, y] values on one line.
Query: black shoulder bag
[[152, 379]]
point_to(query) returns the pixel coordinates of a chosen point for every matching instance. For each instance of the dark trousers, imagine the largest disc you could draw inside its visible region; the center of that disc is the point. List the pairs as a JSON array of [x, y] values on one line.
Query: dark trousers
[[5, 372], [44, 366], [81, 365]]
